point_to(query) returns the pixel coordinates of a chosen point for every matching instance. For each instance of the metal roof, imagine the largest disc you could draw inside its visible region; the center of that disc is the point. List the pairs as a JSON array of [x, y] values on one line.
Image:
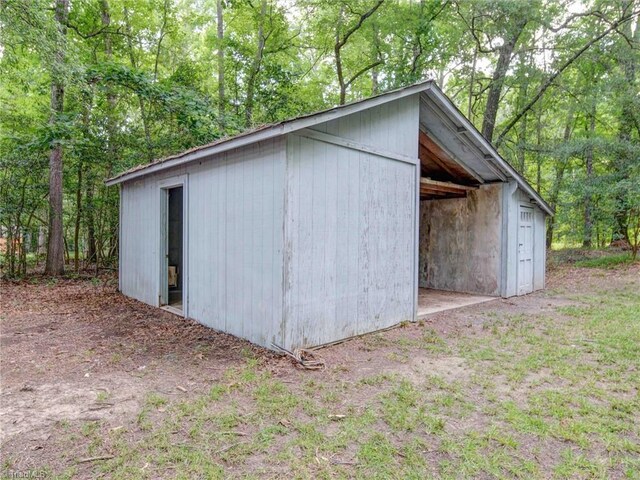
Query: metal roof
[[433, 92]]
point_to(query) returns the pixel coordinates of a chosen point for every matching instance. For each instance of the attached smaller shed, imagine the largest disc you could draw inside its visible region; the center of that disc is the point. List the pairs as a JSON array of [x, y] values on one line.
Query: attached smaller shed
[[330, 225]]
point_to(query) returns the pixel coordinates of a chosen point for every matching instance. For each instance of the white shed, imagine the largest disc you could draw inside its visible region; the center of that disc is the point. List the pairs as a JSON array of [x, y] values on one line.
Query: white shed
[[331, 225]]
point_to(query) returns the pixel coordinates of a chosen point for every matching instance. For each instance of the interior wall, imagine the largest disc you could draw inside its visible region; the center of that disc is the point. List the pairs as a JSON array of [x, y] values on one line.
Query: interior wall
[[461, 241]]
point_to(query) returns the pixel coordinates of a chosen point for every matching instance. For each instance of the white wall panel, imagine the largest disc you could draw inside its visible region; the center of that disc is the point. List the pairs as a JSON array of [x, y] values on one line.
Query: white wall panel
[[139, 241], [234, 244], [350, 228], [513, 197]]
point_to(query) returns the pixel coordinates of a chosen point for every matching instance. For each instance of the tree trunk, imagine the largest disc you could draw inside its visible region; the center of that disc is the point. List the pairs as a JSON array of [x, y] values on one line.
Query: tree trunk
[[522, 135], [588, 201], [55, 248], [76, 231], [375, 83], [560, 167], [23, 253], [341, 41], [66, 247], [111, 98], [112, 128], [27, 240], [143, 113], [539, 157], [337, 53], [10, 251], [163, 28], [255, 66], [221, 98], [91, 225], [471, 82], [497, 81], [522, 142], [620, 164], [19, 232]]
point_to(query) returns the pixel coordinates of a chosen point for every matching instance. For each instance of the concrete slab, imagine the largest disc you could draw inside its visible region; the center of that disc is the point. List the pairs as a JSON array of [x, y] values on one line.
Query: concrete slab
[[433, 301], [175, 309]]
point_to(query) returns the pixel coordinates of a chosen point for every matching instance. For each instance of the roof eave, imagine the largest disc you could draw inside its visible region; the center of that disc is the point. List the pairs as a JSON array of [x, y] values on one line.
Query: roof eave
[[505, 167], [310, 120], [282, 128], [197, 155]]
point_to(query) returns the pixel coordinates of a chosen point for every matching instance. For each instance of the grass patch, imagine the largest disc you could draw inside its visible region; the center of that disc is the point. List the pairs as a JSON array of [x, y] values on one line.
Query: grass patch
[[529, 395], [606, 261]]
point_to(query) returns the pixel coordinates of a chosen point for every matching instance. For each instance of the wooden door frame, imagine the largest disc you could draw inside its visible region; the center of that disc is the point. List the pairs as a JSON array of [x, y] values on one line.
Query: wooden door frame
[[163, 193]]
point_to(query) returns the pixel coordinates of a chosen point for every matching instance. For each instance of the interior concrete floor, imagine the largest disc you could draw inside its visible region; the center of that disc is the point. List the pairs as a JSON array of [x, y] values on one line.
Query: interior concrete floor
[[429, 301], [433, 301]]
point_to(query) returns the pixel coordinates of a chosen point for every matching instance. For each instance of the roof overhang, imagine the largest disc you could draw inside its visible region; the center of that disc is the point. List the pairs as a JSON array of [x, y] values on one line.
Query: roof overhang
[[267, 132], [460, 123], [466, 128]]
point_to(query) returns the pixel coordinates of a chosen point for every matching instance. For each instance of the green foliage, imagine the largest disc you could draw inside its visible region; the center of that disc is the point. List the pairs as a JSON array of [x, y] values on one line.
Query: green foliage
[[607, 261], [141, 83]]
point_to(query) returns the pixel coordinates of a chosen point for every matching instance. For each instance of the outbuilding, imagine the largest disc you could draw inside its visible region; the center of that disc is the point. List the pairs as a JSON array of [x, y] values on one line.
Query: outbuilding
[[332, 225]]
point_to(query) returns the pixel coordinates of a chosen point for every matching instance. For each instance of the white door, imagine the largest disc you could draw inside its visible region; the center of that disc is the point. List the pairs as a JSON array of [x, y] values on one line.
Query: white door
[[525, 250]]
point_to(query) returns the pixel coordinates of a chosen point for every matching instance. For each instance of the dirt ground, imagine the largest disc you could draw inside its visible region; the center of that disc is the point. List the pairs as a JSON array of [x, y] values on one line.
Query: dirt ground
[[75, 351]]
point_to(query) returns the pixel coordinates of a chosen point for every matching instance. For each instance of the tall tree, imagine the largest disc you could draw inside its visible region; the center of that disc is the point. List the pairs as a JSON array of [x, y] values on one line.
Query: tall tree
[[505, 53], [55, 249], [496, 28], [256, 65], [612, 26], [590, 126], [220, 55], [344, 32], [141, 100], [629, 59]]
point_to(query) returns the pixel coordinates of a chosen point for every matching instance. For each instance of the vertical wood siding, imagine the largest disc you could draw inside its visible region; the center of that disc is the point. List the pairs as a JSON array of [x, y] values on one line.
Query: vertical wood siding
[[512, 198], [392, 126], [509, 240], [236, 218], [539, 248], [139, 241], [235, 240], [350, 228]]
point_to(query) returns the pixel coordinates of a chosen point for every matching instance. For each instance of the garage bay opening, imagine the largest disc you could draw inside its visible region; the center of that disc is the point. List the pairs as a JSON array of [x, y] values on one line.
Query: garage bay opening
[[459, 233]]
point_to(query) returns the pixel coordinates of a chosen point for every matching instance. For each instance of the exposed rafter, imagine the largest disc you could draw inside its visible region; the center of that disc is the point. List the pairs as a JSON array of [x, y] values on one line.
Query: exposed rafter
[[435, 189], [441, 156]]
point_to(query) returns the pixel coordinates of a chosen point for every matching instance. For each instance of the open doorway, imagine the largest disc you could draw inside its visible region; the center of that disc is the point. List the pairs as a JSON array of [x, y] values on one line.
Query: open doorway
[[459, 233], [173, 275]]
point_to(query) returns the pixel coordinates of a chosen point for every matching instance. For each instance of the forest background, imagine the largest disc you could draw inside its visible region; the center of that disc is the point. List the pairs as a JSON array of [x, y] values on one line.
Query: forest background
[[89, 88]]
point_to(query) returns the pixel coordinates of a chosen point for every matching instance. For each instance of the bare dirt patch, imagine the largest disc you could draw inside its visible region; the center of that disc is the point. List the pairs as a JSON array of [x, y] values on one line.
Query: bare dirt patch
[[76, 352]]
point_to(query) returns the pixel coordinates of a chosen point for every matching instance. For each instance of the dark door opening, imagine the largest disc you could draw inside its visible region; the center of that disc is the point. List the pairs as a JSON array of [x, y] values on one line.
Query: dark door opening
[[175, 246]]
